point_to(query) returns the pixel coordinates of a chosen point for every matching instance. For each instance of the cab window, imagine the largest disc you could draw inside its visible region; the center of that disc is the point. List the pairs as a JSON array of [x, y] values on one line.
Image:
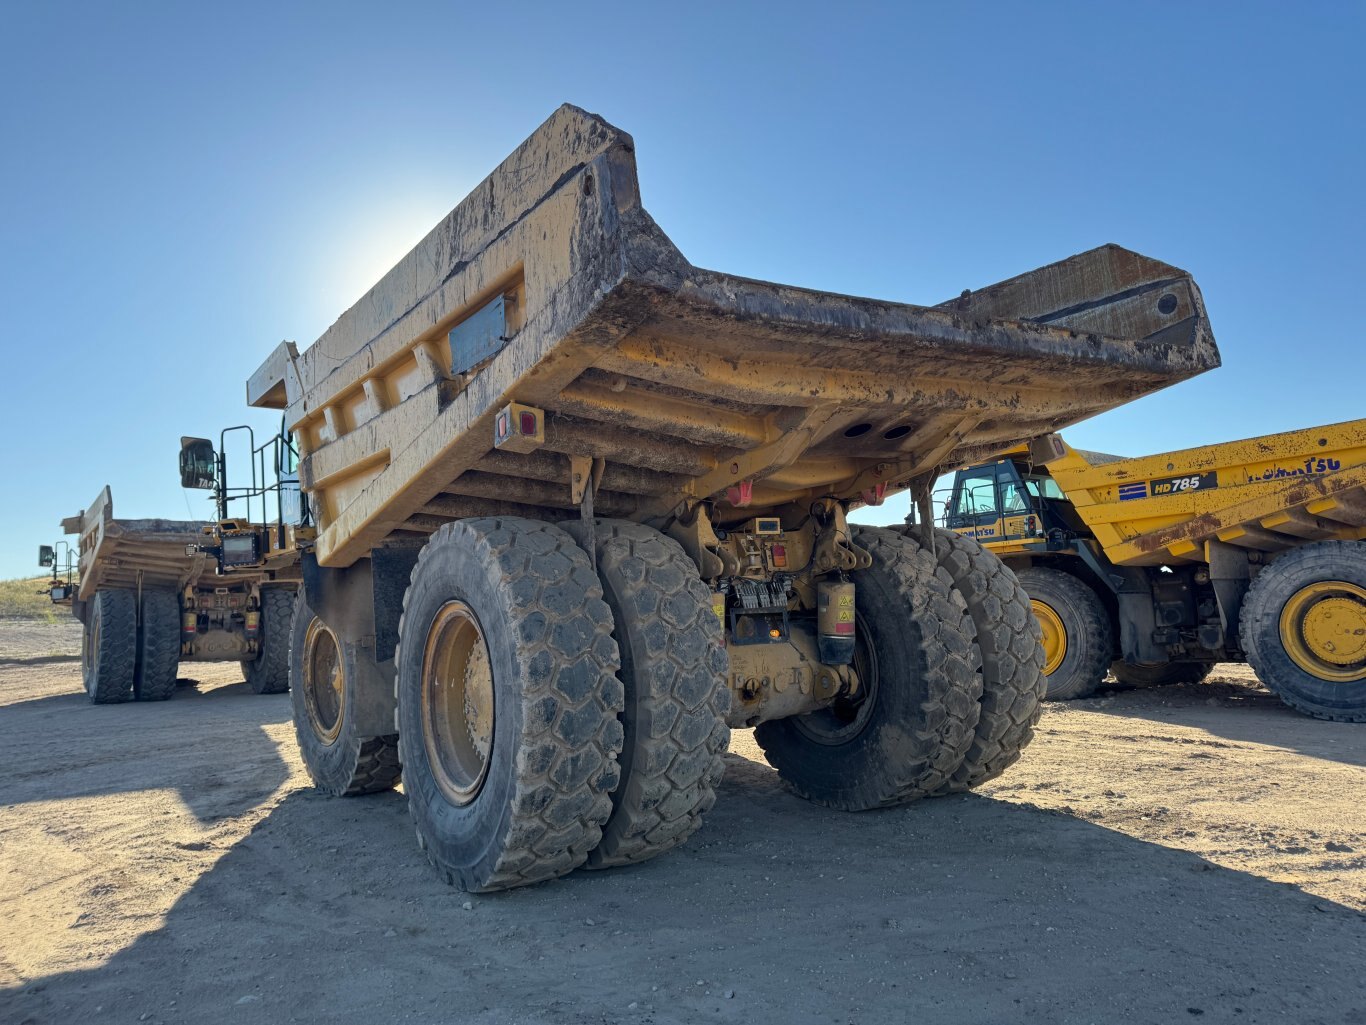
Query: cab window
[[1045, 487], [975, 499]]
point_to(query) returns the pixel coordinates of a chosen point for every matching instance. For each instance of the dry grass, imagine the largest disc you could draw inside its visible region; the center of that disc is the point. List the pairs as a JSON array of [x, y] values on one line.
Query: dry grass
[[21, 599]]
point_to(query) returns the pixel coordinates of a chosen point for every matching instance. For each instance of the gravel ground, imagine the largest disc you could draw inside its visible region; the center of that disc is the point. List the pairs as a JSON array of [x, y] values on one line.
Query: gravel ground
[[1183, 854]]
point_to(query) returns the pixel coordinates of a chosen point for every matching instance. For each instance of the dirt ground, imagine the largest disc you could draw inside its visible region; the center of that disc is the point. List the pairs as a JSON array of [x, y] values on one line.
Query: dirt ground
[[1191, 853]]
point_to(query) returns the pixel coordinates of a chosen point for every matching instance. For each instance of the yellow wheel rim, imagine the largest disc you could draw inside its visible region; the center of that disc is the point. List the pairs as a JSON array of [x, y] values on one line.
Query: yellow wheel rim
[[1323, 629], [323, 682], [457, 703], [1054, 636]]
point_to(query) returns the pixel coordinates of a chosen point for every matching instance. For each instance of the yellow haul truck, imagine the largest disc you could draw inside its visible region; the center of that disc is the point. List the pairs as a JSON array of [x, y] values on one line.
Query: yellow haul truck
[[1246, 551], [580, 508], [154, 593]]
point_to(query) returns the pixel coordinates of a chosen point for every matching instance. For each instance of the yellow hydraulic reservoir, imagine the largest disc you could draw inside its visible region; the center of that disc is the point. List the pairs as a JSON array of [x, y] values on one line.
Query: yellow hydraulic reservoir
[[835, 622]]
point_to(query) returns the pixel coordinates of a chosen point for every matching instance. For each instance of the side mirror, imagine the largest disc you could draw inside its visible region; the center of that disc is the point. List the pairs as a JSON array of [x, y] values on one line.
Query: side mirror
[[198, 464], [47, 556]]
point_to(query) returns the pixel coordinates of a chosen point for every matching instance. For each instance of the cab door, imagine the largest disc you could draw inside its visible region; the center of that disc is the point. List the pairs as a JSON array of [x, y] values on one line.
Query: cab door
[[974, 508]]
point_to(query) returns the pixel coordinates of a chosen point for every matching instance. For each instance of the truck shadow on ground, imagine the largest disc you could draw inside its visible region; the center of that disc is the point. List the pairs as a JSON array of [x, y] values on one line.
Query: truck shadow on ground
[[215, 753], [7, 661], [960, 909], [1234, 710]]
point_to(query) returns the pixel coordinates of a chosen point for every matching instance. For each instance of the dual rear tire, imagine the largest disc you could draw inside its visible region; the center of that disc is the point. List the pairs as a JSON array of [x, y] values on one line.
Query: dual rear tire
[[910, 725], [552, 716], [131, 653], [509, 703]]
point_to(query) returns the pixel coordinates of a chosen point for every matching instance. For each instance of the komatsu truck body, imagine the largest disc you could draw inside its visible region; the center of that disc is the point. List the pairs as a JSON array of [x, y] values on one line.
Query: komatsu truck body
[[1249, 550]]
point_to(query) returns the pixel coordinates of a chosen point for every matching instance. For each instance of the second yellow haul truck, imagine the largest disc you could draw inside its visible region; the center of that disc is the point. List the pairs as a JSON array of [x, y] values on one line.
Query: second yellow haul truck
[[1250, 551], [580, 508]]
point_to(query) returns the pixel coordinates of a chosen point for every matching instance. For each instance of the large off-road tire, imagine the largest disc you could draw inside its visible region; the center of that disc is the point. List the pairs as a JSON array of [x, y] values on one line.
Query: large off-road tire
[[109, 647], [1303, 627], [673, 665], [1078, 635], [1010, 642], [343, 710], [268, 672], [1161, 675], [158, 657], [919, 698], [509, 704]]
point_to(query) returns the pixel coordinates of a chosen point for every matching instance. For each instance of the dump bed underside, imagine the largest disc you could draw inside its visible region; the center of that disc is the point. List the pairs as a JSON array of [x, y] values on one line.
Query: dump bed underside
[[1263, 494], [683, 382]]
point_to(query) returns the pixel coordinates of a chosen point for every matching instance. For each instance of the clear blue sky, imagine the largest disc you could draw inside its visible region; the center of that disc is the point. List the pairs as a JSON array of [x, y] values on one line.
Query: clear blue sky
[[184, 185]]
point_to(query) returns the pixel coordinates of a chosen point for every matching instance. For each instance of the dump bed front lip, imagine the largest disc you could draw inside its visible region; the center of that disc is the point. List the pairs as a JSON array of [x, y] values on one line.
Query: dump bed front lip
[[628, 347]]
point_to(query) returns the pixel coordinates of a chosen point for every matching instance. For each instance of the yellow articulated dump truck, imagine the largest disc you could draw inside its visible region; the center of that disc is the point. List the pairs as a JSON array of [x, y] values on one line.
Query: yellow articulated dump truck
[[1246, 551], [580, 507], [153, 593]]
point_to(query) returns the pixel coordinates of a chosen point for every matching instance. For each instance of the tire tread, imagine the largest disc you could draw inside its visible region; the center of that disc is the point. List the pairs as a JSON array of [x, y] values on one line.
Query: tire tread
[[561, 791], [669, 778], [1010, 641]]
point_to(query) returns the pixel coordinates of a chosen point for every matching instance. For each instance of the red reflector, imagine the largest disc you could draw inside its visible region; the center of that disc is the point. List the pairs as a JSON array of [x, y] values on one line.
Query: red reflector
[[528, 424], [740, 495], [779, 555], [844, 628], [501, 431]]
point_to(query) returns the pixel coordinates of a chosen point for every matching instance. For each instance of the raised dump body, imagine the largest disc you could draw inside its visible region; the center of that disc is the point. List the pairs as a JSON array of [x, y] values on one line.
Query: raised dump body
[[1248, 550], [544, 387], [150, 598], [550, 286]]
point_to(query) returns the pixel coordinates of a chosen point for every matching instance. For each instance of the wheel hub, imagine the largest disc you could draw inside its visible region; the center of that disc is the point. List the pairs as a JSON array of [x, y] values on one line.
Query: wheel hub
[[847, 715], [1054, 635], [1323, 628], [323, 682], [457, 703]]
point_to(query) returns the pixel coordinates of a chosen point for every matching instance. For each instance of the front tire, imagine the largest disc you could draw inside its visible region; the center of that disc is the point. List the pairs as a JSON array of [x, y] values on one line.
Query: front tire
[[919, 696], [508, 703], [673, 663], [343, 710], [1078, 636], [1303, 627]]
